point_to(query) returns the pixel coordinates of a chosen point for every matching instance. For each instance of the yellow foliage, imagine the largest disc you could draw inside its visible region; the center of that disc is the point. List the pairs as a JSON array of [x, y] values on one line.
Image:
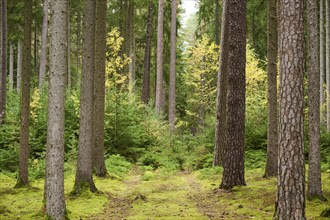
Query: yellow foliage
[[116, 62], [35, 104], [200, 76]]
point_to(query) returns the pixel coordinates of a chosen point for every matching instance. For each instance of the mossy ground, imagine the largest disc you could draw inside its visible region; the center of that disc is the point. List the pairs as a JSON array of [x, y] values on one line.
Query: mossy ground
[[157, 195]]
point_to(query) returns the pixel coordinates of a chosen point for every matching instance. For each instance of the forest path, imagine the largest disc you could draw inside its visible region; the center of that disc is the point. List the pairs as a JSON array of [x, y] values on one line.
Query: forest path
[[160, 196]]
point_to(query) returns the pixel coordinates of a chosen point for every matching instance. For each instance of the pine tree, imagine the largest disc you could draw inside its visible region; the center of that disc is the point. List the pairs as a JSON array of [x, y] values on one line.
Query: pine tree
[[221, 109], [99, 88], [290, 201], [159, 84], [233, 156], [272, 47], [43, 51], [23, 178], [84, 175], [54, 176], [313, 72], [172, 93]]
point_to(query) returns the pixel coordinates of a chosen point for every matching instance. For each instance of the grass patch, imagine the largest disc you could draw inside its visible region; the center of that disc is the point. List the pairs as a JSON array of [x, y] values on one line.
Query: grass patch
[[143, 193], [13, 202]]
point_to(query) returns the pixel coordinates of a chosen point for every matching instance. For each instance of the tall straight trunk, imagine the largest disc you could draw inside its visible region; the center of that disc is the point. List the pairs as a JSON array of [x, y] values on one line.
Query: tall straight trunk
[[84, 173], [221, 108], [159, 84], [19, 65], [0, 41], [313, 72], [35, 50], [11, 67], [79, 47], [233, 157], [1, 80], [54, 179], [99, 88], [25, 104], [272, 48], [69, 48], [327, 56], [172, 93], [290, 200], [217, 22], [43, 51], [3, 60], [147, 54], [131, 67], [322, 64]]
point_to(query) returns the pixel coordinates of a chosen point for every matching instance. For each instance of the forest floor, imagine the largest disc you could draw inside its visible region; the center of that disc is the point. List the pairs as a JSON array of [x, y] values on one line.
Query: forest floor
[[157, 195]]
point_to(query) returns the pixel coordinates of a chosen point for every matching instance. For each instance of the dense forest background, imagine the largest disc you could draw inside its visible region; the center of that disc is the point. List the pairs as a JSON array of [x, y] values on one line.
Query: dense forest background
[[149, 125]]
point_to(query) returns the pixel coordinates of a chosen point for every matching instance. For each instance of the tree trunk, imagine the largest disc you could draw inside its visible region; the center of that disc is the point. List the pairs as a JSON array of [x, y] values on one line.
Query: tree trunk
[[25, 105], [11, 67], [69, 48], [84, 175], [3, 60], [327, 15], [43, 51], [233, 158], [79, 48], [221, 108], [272, 47], [99, 87], [159, 84], [131, 36], [290, 201], [54, 179], [217, 22], [35, 50], [322, 64], [19, 65], [313, 72], [146, 74], [0, 44], [172, 93]]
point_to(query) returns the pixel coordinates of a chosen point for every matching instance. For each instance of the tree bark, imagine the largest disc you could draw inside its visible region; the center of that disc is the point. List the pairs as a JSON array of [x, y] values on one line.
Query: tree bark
[[43, 51], [159, 84], [172, 92], [25, 105], [221, 108], [290, 201], [233, 158], [147, 54], [322, 64], [327, 56], [99, 88], [3, 60], [272, 48], [84, 175], [217, 22], [11, 67], [35, 50], [19, 65], [79, 48], [313, 72], [131, 36], [54, 179], [69, 48]]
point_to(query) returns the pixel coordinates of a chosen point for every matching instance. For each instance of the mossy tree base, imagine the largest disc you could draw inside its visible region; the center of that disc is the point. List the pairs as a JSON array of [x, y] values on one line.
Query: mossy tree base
[[83, 186], [21, 183]]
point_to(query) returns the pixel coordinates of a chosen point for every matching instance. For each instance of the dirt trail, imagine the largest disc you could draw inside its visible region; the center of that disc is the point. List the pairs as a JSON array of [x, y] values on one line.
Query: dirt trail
[[206, 201], [178, 197], [119, 204]]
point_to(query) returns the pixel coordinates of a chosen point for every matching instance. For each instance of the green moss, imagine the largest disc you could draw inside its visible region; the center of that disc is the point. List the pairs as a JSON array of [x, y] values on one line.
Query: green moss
[[166, 195]]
